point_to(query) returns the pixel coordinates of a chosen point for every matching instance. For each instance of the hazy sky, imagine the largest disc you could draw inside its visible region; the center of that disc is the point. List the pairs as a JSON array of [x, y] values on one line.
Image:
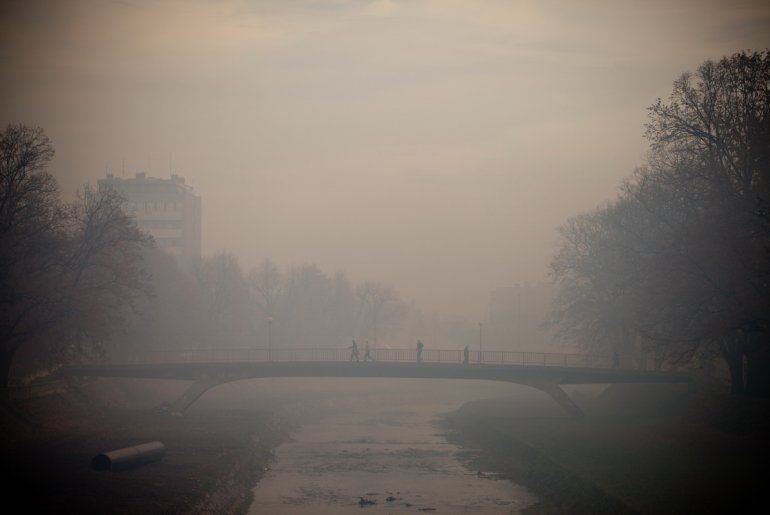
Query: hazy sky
[[432, 144]]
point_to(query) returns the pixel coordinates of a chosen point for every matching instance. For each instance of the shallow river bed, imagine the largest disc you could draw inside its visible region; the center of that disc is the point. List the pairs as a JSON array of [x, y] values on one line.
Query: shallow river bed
[[388, 456]]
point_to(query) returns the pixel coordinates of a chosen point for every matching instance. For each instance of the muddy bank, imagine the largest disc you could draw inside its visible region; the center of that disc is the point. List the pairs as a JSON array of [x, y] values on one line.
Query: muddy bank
[[213, 457], [617, 462], [487, 448]]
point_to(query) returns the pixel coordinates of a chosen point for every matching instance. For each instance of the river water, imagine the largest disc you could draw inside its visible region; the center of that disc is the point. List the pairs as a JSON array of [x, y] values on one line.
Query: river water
[[387, 453]]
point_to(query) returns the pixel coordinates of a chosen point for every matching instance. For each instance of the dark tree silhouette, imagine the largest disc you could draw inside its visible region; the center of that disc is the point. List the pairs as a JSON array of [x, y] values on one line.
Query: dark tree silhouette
[[64, 269], [711, 152], [682, 258]]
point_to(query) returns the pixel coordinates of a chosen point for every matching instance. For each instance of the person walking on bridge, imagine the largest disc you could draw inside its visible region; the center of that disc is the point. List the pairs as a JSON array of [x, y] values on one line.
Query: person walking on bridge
[[466, 353], [354, 351], [419, 350], [367, 355]]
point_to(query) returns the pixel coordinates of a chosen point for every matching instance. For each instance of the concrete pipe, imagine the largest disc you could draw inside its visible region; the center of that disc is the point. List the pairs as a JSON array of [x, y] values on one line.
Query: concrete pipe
[[128, 457]]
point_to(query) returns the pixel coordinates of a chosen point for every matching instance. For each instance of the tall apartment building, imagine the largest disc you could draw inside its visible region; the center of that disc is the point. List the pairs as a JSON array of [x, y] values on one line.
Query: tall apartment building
[[167, 209]]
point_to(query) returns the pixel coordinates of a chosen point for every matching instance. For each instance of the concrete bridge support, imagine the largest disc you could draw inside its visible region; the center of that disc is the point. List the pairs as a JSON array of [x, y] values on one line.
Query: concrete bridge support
[[560, 396], [194, 392]]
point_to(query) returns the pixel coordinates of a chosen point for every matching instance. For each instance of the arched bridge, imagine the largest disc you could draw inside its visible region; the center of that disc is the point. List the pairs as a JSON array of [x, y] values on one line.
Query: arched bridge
[[212, 367]]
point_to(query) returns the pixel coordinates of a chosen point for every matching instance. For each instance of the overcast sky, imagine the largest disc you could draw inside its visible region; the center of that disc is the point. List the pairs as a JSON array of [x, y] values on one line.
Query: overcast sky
[[432, 144]]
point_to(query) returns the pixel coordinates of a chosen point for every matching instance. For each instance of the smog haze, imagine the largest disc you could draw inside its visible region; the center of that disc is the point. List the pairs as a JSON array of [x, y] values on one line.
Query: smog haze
[[434, 145]]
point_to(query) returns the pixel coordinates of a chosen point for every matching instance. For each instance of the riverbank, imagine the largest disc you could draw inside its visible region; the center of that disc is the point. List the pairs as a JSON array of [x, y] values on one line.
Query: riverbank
[[213, 457], [636, 451], [666, 456]]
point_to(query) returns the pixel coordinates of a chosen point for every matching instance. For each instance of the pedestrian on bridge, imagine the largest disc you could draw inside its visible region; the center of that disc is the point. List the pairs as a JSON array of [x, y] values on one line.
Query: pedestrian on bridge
[[419, 350], [353, 351], [367, 355], [466, 353]]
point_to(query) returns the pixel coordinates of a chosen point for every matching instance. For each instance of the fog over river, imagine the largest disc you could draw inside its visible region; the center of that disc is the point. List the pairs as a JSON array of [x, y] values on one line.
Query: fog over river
[[380, 441]]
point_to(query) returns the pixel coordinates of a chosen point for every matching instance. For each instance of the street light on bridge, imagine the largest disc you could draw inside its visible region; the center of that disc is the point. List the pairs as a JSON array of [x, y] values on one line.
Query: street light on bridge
[[481, 344]]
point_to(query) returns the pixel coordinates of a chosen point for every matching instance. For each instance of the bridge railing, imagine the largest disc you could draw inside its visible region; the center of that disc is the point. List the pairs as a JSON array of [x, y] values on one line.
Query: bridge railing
[[381, 354]]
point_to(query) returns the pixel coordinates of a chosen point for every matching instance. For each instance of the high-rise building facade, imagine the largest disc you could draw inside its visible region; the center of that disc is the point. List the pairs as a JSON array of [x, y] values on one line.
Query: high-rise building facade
[[167, 209]]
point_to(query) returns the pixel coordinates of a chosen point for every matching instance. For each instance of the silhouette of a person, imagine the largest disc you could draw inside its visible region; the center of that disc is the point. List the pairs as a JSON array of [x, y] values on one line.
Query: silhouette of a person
[[367, 356], [354, 351], [419, 350], [466, 353]]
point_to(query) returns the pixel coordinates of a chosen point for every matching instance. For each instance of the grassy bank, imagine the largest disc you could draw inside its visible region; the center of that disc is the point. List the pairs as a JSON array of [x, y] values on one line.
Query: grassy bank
[[656, 451]]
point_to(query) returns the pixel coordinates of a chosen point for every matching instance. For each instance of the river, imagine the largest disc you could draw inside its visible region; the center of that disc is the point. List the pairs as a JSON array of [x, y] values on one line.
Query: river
[[381, 445]]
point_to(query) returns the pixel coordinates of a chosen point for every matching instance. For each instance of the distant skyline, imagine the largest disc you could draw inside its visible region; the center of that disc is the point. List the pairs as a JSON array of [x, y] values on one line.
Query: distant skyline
[[432, 144]]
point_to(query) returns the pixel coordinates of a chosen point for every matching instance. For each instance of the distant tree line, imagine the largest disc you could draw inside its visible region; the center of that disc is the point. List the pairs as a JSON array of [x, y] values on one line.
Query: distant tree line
[[679, 264], [218, 305], [223, 306]]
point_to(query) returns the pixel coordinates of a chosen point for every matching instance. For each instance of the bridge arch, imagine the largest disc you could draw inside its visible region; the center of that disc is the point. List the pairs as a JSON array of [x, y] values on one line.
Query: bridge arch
[[205, 383]]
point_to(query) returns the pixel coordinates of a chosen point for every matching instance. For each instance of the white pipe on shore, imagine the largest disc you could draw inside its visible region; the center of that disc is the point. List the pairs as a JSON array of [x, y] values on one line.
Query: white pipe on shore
[[128, 457]]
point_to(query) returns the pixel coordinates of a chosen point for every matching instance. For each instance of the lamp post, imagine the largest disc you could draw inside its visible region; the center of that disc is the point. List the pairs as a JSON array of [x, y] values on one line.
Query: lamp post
[[270, 338], [481, 344]]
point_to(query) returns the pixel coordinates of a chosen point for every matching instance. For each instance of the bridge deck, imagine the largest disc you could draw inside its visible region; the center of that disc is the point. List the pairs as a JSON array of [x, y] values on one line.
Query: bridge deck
[[207, 369], [493, 372]]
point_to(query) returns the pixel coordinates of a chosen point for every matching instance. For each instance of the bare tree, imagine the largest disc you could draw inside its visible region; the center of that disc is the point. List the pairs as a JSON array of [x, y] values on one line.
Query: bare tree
[[681, 258], [265, 285], [718, 121], [225, 295], [304, 309], [380, 304], [71, 268], [711, 147], [31, 219], [173, 316], [594, 307], [105, 269]]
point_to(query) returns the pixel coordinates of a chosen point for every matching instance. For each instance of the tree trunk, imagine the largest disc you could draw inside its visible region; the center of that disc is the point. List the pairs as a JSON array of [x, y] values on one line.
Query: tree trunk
[[658, 358], [758, 365], [6, 360], [733, 355]]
